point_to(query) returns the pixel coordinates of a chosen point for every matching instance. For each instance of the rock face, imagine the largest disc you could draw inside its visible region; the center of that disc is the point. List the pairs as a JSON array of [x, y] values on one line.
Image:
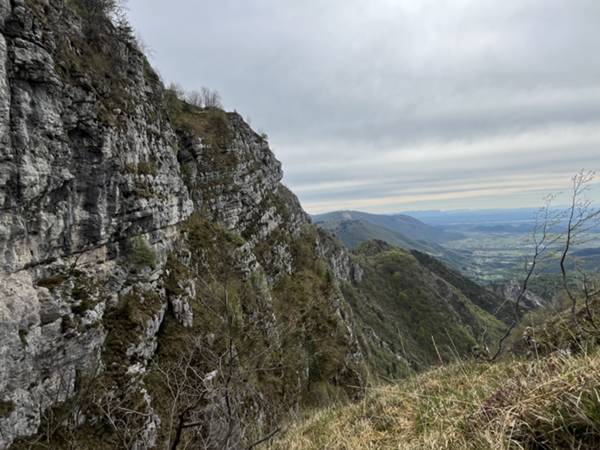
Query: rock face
[[119, 207], [71, 182], [511, 290]]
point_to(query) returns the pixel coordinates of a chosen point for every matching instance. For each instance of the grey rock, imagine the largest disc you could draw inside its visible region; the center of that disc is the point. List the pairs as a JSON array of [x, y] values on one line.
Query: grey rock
[[511, 290], [340, 262], [38, 361], [4, 11], [4, 105], [181, 303]]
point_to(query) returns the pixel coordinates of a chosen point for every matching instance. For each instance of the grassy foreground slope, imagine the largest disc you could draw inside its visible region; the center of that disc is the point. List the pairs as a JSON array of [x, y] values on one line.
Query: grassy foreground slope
[[549, 403]]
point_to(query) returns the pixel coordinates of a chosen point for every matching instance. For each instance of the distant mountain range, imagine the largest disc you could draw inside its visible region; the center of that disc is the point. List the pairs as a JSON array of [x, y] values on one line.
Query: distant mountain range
[[354, 227], [487, 246], [477, 217]]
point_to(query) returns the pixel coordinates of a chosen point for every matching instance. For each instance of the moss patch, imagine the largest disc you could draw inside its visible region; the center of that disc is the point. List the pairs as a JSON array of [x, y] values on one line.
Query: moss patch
[[53, 281], [140, 254], [6, 408]]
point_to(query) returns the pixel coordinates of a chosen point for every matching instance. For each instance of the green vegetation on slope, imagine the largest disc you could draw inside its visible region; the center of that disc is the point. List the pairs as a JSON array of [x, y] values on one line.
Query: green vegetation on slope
[[543, 396], [410, 317], [271, 348], [210, 124], [485, 299], [354, 228]]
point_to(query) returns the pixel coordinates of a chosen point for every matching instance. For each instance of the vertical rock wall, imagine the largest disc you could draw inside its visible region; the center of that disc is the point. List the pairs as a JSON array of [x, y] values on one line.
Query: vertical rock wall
[[109, 213]]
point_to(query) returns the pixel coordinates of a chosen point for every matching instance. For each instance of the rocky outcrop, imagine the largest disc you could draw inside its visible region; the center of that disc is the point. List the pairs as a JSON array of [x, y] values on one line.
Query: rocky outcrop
[[43, 349], [72, 182], [511, 291], [119, 207], [342, 265]]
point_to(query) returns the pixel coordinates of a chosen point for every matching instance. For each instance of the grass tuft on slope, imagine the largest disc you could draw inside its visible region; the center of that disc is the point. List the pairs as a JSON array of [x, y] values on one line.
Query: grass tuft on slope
[[550, 403]]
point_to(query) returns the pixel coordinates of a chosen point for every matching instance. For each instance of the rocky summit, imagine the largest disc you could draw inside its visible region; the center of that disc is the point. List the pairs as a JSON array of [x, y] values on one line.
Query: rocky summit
[[159, 286]]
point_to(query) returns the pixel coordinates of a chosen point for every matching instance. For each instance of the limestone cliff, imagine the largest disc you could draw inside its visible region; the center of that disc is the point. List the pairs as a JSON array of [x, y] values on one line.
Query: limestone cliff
[[145, 242]]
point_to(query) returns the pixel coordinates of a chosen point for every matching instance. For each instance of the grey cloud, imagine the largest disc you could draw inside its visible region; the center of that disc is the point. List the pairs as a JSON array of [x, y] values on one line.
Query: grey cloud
[[349, 91]]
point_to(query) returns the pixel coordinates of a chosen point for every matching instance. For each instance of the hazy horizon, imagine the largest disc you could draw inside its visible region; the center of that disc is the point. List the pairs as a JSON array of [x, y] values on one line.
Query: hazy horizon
[[531, 208], [388, 106]]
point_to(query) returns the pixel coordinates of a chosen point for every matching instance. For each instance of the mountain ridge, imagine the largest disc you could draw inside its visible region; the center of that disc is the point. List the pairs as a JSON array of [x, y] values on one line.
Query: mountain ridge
[[408, 226]]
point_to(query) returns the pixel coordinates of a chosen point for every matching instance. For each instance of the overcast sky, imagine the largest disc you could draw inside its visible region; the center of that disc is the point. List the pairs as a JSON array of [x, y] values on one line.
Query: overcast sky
[[391, 105]]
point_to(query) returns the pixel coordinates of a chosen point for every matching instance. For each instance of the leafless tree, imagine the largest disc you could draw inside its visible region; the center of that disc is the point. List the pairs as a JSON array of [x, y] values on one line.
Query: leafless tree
[[581, 218], [143, 46], [212, 98], [543, 242], [206, 387], [127, 417], [205, 98], [96, 12], [195, 98], [176, 90], [62, 407], [577, 219]]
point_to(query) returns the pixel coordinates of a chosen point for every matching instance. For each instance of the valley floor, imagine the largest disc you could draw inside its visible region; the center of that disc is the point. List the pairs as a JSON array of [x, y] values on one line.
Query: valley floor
[[549, 403]]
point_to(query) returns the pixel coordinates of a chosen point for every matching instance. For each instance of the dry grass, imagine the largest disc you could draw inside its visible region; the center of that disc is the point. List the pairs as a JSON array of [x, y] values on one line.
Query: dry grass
[[553, 403]]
